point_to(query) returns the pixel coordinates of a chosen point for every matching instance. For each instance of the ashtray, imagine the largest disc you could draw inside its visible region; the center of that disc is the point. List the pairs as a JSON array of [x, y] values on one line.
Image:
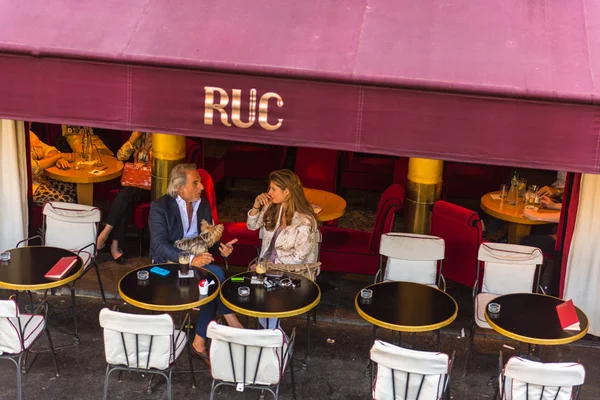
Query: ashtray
[[493, 308], [366, 293], [244, 291], [5, 256], [143, 275]]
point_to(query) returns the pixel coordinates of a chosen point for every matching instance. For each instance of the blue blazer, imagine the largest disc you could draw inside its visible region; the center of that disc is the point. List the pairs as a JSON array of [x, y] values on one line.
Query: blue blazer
[[166, 228]]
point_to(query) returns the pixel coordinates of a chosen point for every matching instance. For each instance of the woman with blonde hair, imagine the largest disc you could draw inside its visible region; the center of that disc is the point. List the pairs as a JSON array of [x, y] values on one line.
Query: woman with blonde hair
[[288, 220]]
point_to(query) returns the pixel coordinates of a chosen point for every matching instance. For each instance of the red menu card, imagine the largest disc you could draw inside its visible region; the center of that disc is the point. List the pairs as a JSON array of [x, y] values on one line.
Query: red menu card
[[61, 268], [567, 315]]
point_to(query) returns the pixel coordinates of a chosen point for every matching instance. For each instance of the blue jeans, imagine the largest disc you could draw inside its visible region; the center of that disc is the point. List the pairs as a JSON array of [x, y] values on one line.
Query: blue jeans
[[208, 311]]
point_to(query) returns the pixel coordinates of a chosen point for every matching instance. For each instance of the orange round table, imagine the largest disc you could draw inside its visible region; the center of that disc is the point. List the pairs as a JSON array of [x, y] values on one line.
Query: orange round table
[[85, 180], [518, 227], [332, 205]]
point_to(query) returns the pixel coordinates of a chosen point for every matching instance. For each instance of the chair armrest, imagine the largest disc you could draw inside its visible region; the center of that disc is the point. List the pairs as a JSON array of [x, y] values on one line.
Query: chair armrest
[[42, 305], [441, 281], [290, 349], [31, 238], [85, 247]]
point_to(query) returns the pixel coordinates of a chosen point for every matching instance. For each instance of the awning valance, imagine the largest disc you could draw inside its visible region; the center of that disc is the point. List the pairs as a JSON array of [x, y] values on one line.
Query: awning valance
[[511, 83]]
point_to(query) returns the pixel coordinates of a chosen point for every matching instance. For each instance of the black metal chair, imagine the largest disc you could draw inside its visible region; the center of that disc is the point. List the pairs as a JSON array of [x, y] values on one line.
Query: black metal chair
[[19, 332], [410, 374], [148, 344], [250, 359]]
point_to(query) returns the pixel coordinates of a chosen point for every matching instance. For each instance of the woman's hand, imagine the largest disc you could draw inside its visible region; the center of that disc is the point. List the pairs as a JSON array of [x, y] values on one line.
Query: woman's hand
[[546, 202], [67, 156], [139, 165], [531, 214], [202, 259], [261, 200], [61, 163]]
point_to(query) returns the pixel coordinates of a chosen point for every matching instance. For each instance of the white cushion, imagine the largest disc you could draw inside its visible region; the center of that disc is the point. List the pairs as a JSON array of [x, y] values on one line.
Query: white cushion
[[167, 342], [31, 326], [481, 302], [269, 343], [509, 268], [70, 226], [412, 257], [510, 253], [525, 379], [433, 367]]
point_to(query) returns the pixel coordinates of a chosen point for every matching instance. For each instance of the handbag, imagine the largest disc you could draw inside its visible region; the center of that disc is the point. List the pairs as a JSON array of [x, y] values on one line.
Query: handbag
[[139, 178], [309, 271]]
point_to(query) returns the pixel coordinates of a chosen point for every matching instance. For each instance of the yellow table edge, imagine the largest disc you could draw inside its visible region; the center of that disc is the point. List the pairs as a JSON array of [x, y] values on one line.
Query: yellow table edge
[[50, 285], [283, 314], [154, 307], [526, 339], [406, 328]]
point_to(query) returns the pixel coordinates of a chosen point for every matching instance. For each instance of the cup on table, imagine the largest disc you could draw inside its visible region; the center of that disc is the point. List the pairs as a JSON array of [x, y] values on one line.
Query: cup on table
[[493, 309], [77, 161], [366, 293], [5, 256], [532, 191], [503, 191], [143, 277], [244, 291], [184, 262], [261, 268], [522, 188], [203, 287]]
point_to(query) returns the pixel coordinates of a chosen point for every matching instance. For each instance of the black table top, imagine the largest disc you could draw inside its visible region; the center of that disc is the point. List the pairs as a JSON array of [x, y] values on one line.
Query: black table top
[[532, 318], [167, 293], [28, 265], [407, 307], [276, 303]]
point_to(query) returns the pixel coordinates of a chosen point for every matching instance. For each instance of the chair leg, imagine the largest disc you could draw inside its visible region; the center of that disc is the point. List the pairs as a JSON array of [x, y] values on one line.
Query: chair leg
[[169, 394], [52, 350], [100, 282], [212, 390], [293, 378], [141, 236], [74, 306], [108, 371], [19, 389], [469, 348]]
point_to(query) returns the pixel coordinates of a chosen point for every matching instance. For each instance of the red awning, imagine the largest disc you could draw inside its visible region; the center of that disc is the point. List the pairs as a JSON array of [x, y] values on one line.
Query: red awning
[[510, 82]]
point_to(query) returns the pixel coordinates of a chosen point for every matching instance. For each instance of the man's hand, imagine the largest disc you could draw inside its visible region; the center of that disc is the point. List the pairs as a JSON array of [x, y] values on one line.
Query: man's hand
[[227, 248], [202, 259], [531, 214], [547, 202], [547, 191], [62, 163]]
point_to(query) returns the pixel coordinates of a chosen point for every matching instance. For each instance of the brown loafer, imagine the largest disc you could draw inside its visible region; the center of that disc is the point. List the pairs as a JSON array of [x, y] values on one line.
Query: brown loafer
[[201, 355]]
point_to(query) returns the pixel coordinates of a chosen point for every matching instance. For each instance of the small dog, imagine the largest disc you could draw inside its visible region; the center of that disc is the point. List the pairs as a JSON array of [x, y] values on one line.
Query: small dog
[[209, 235]]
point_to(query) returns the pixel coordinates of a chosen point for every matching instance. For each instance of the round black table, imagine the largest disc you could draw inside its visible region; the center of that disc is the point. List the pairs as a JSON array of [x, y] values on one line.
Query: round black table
[[276, 303], [28, 265], [167, 293], [407, 307], [532, 318]]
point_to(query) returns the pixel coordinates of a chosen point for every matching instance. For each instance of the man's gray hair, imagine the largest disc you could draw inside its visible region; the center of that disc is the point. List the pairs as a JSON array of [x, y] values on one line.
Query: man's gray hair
[[178, 178]]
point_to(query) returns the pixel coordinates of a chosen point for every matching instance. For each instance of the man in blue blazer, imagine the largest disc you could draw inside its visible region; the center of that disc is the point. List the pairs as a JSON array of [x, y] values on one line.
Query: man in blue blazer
[[177, 215]]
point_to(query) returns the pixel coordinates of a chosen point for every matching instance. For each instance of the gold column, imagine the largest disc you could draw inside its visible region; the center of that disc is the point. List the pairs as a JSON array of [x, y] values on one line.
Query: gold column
[[424, 187], [167, 152]]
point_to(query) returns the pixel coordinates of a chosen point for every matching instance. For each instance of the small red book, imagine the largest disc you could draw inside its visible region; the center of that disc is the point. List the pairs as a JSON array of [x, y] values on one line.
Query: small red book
[[567, 315], [61, 268]]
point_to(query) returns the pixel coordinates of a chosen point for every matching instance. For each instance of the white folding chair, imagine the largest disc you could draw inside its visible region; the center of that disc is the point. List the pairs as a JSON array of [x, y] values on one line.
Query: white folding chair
[[409, 374], [19, 332], [508, 268], [412, 258], [141, 343], [523, 379], [245, 358]]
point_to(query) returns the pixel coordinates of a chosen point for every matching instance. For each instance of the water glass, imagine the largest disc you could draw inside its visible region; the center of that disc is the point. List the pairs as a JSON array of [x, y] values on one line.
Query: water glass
[[493, 308], [366, 293], [522, 188], [503, 191], [77, 161]]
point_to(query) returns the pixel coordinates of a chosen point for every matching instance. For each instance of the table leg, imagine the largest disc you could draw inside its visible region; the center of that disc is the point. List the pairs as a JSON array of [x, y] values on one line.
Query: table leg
[[516, 232], [305, 363], [85, 194]]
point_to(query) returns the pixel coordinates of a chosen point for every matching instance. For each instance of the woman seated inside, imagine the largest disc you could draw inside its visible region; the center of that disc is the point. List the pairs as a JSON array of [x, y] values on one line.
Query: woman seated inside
[[44, 188], [288, 220], [140, 145]]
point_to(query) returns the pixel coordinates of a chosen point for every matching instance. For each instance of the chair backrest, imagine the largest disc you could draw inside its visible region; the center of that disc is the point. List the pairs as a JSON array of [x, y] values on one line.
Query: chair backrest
[[408, 374], [317, 168], [509, 268], [313, 256], [525, 379], [71, 226], [390, 203], [412, 257], [246, 355], [138, 341], [461, 230], [10, 333], [194, 152], [209, 193]]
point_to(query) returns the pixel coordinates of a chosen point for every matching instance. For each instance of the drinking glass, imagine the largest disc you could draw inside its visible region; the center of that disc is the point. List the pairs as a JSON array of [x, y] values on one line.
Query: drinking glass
[[184, 262], [522, 187], [503, 191], [532, 191], [77, 161], [261, 268]]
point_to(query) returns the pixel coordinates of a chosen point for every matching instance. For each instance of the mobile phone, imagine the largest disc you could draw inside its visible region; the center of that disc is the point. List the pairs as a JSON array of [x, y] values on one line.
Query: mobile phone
[[159, 271]]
